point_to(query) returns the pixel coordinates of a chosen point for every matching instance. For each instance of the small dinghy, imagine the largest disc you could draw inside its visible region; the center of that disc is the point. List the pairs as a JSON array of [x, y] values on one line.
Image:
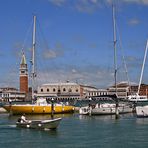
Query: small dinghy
[[39, 124]]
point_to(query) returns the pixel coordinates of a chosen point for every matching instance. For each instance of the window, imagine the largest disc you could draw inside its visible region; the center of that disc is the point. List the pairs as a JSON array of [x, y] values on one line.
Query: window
[[76, 90], [64, 89], [22, 71], [54, 89], [47, 89], [41, 89]]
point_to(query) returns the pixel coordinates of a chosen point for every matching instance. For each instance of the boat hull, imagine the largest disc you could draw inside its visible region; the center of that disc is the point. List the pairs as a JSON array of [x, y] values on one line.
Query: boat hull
[[110, 111], [104, 110], [40, 124], [142, 111], [34, 109]]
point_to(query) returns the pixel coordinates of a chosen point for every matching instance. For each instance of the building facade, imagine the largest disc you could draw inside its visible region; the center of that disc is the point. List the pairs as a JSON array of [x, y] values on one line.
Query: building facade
[[123, 90], [8, 93], [68, 91]]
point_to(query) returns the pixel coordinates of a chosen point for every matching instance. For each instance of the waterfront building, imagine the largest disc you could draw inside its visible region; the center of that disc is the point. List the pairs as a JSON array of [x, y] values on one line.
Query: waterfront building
[[123, 89], [10, 93], [97, 93], [143, 89], [68, 91]]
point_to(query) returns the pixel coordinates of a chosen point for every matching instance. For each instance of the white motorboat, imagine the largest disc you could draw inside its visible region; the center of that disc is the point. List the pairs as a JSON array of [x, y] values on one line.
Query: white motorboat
[[105, 109], [39, 124]]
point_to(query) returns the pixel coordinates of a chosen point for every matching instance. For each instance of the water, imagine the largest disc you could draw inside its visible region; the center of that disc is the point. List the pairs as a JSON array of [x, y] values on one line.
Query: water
[[77, 131]]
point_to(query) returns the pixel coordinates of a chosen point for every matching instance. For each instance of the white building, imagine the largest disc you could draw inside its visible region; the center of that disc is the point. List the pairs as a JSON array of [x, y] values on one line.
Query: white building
[[123, 90], [68, 91], [8, 93]]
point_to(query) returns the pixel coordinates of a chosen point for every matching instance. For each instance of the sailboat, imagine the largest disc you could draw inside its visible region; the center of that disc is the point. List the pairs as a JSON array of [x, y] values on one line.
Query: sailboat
[[142, 108], [108, 108], [40, 106], [136, 97]]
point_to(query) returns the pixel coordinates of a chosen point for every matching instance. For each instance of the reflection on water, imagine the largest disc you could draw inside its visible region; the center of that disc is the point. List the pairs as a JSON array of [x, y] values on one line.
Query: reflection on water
[[87, 117], [142, 121], [104, 117]]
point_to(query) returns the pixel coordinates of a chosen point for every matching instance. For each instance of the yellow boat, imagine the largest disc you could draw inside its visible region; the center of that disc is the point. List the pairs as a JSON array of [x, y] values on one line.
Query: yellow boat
[[40, 107]]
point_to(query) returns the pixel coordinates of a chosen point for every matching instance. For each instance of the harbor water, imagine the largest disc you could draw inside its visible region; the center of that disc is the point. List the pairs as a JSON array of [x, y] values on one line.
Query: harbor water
[[77, 131]]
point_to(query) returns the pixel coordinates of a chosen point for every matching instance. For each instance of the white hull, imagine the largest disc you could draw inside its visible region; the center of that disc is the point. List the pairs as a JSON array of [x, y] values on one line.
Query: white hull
[[2, 110], [142, 111], [110, 111], [105, 109], [40, 124]]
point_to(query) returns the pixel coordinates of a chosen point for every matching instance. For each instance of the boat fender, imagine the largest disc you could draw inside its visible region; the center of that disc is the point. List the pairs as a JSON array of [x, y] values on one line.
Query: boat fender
[[62, 108], [39, 125], [43, 109], [32, 109]]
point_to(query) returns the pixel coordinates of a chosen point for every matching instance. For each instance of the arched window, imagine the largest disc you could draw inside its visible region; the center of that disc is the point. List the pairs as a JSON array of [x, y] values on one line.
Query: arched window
[[64, 89], [41, 89], [70, 90], [47, 89], [54, 89]]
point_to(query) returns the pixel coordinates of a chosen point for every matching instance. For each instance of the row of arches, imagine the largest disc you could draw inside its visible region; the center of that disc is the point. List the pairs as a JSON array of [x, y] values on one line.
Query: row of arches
[[59, 90]]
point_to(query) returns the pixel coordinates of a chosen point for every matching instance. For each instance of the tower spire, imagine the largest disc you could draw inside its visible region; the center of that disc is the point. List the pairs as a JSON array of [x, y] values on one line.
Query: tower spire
[[23, 61]]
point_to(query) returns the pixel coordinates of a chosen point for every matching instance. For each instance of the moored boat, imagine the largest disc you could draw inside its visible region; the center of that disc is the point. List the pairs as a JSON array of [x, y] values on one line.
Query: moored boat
[[40, 107], [142, 111], [105, 109]]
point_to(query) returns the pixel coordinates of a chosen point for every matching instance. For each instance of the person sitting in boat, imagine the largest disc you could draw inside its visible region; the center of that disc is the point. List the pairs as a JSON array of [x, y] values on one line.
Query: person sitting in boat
[[23, 119]]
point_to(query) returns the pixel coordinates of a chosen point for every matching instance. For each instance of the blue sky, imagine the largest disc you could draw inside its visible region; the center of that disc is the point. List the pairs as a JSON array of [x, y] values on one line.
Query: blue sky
[[74, 40]]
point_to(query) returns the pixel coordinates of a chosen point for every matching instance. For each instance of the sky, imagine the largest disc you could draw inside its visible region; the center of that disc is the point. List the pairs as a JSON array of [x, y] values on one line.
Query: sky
[[74, 40]]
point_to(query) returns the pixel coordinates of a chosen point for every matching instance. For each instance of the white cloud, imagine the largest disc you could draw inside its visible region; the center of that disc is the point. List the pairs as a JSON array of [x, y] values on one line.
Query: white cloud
[[90, 6], [144, 2], [58, 2], [133, 21], [89, 75], [48, 54]]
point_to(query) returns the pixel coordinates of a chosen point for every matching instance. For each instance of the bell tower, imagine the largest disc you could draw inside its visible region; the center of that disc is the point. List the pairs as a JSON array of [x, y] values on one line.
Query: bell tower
[[23, 75]]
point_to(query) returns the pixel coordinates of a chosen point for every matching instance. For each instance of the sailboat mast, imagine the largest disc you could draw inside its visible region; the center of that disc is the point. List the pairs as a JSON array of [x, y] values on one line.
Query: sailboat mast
[[115, 63], [143, 67], [33, 54], [115, 49]]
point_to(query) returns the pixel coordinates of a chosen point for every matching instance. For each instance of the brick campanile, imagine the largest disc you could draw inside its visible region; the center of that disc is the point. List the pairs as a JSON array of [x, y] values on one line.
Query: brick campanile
[[23, 75]]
